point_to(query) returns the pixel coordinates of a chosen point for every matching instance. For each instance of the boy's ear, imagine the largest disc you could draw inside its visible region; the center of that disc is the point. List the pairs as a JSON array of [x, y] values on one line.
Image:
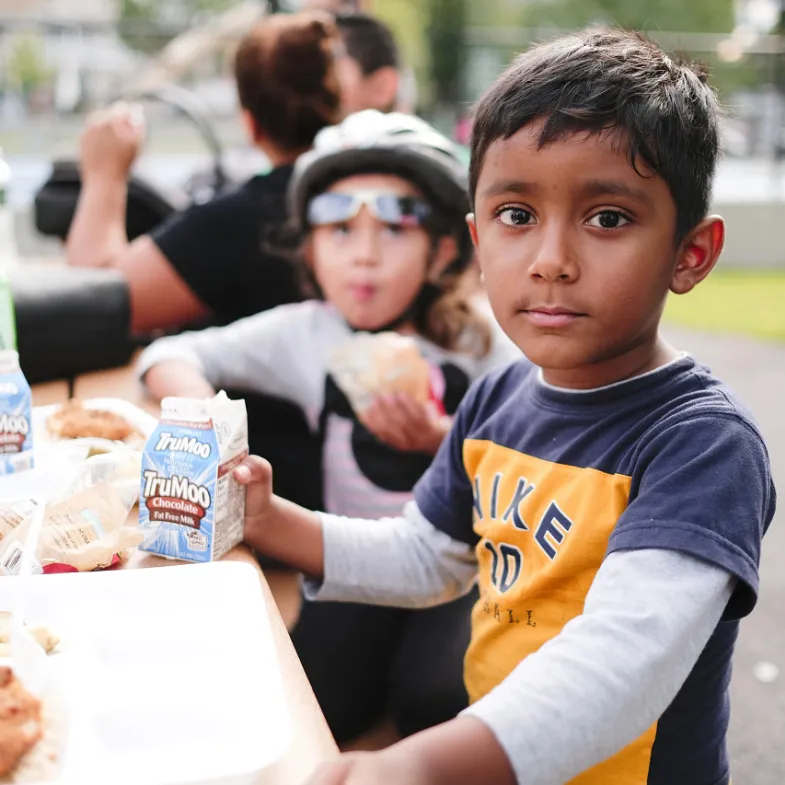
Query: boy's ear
[[471, 222], [444, 255], [383, 86], [698, 253]]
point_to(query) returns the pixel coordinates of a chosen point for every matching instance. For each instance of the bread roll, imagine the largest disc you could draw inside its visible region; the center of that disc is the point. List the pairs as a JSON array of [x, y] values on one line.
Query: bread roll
[[385, 363]]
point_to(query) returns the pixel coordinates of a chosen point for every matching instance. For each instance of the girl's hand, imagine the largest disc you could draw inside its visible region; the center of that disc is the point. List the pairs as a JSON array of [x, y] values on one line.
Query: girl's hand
[[406, 424]]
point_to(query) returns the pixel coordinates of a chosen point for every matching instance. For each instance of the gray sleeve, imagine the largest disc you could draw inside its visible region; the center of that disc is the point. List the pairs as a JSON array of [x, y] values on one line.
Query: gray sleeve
[[276, 352], [403, 562], [612, 671]]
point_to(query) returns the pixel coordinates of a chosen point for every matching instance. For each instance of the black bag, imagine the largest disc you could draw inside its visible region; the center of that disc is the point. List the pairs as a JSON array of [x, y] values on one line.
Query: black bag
[[56, 199], [70, 320]]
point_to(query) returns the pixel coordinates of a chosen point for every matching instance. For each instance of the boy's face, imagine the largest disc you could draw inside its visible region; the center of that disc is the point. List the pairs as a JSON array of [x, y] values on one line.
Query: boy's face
[[578, 254], [359, 91], [369, 269]]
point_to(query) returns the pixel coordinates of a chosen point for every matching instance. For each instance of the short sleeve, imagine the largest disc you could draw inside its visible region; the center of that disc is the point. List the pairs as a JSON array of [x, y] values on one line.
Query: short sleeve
[[703, 486], [444, 493], [217, 249]]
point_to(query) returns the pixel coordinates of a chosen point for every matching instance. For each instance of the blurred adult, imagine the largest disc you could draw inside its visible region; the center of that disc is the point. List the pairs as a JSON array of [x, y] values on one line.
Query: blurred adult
[[210, 262], [371, 75]]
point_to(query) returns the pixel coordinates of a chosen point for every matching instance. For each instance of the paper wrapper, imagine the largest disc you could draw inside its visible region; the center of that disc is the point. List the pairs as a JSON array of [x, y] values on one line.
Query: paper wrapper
[[87, 531], [371, 365]]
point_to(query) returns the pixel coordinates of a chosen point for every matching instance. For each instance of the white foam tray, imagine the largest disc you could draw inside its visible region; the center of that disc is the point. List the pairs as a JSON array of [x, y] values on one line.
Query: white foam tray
[[169, 675], [51, 464]]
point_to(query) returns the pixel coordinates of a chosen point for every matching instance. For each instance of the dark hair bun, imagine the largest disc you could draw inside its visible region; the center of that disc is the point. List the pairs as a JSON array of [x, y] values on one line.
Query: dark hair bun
[[286, 77], [301, 54]]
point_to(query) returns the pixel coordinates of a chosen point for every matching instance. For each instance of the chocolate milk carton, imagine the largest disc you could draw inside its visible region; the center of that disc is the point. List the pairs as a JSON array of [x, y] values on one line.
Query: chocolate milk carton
[[190, 505], [16, 432]]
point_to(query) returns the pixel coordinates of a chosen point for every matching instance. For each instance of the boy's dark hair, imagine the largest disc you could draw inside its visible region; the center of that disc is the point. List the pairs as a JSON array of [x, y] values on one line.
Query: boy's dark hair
[[287, 79], [368, 41], [615, 81]]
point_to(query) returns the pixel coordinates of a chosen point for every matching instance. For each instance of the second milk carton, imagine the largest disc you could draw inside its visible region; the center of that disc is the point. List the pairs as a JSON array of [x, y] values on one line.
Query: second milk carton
[[16, 432], [190, 505]]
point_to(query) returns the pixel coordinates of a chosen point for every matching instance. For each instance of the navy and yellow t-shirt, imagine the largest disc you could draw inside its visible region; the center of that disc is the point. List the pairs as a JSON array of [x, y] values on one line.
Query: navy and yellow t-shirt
[[546, 482]]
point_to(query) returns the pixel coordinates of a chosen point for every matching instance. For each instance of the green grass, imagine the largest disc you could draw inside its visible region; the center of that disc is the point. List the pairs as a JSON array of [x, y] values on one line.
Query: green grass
[[743, 302]]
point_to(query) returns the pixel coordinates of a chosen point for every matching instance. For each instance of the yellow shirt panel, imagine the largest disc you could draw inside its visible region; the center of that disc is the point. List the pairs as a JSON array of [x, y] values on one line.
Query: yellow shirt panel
[[544, 531]]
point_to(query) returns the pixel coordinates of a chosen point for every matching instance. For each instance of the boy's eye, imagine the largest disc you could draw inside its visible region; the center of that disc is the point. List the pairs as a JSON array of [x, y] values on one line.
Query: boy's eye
[[394, 229], [608, 219], [515, 216]]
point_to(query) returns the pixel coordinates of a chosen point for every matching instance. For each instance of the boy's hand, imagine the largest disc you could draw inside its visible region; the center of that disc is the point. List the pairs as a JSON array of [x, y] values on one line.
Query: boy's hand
[[378, 768], [460, 752], [406, 424], [277, 527], [257, 475]]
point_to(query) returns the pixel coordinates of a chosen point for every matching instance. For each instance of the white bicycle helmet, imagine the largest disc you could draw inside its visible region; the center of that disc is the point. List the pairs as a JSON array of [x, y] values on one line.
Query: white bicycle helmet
[[399, 144]]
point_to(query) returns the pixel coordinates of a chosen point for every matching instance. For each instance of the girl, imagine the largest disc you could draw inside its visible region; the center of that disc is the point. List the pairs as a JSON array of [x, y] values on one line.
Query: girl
[[382, 200]]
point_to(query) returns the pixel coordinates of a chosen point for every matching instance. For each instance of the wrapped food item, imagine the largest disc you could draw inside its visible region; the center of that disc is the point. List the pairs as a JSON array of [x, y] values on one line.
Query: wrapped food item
[[121, 468], [42, 635], [16, 433], [190, 505], [86, 531], [371, 365], [13, 515]]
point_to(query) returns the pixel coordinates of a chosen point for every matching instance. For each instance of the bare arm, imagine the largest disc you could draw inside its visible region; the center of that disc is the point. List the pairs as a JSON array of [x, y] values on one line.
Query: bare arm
[[109, 146], [160, 299], [97, 236]]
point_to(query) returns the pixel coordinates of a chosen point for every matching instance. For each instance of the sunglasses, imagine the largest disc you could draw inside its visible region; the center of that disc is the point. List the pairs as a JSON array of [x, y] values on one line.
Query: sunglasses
[[337, 208]]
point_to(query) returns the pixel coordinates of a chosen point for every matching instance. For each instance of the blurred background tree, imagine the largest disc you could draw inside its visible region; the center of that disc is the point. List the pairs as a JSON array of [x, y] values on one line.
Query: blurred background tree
[[686, 16], [457, 47], [445, 36], [147, 25], [26, 65]]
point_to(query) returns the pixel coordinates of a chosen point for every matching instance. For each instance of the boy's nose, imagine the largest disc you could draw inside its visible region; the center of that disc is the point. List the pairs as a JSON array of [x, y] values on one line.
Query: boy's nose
[[554, 260]]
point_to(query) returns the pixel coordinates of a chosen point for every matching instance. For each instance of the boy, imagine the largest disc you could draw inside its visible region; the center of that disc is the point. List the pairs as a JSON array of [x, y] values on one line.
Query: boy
[[613, 499], [372, 73]]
